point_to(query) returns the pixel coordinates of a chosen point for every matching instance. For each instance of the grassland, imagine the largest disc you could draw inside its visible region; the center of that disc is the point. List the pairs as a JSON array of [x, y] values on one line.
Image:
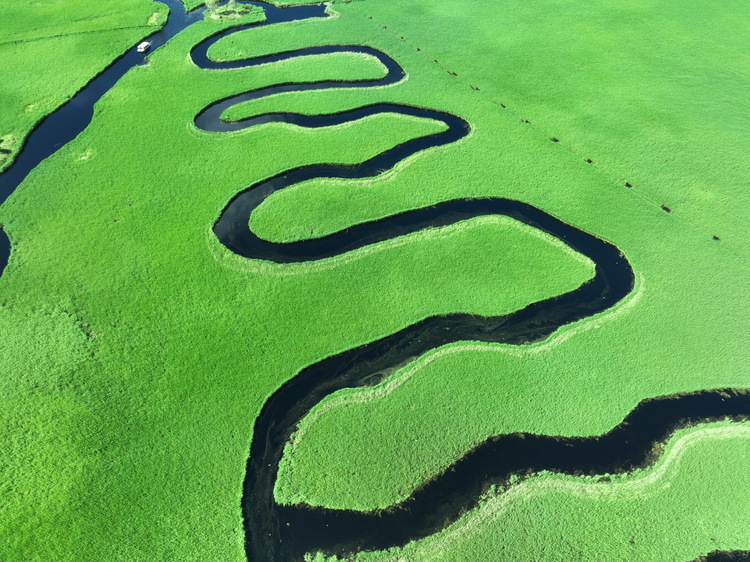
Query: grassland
[[167, 344], [51, 49], [654, 93], [144, 350]]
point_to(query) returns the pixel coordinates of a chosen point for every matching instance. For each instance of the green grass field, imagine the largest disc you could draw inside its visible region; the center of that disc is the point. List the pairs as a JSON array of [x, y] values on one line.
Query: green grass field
[[139, 350], [655, 94]]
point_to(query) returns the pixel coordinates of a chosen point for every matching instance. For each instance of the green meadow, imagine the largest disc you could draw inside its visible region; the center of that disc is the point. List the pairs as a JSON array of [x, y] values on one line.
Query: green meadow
[[139, 351]]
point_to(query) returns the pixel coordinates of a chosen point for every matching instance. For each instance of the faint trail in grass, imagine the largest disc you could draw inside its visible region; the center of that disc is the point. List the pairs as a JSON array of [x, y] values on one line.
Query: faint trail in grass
[[72, 34]]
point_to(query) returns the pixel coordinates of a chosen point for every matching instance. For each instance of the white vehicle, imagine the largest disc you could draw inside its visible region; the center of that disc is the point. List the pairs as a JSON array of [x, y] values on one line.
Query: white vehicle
[[143, 47]]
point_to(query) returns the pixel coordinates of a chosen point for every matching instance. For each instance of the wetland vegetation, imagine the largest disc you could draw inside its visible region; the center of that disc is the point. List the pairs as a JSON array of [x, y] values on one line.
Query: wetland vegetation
[[141, 350]]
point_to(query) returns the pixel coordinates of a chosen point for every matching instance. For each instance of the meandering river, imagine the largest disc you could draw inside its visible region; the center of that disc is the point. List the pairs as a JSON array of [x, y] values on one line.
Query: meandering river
[[275, 532]]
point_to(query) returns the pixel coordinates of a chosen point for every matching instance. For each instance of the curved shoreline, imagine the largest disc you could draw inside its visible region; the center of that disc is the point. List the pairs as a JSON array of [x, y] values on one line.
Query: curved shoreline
[[633, 444], [647, 486], [725, 556], [58, 128]]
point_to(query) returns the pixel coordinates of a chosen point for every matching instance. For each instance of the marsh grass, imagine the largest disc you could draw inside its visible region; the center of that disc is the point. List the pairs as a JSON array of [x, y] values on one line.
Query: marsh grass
[[133, 444]]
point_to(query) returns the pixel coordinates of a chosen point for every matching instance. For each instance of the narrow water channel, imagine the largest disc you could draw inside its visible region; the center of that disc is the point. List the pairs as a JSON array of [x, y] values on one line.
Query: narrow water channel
[[279, 533]]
